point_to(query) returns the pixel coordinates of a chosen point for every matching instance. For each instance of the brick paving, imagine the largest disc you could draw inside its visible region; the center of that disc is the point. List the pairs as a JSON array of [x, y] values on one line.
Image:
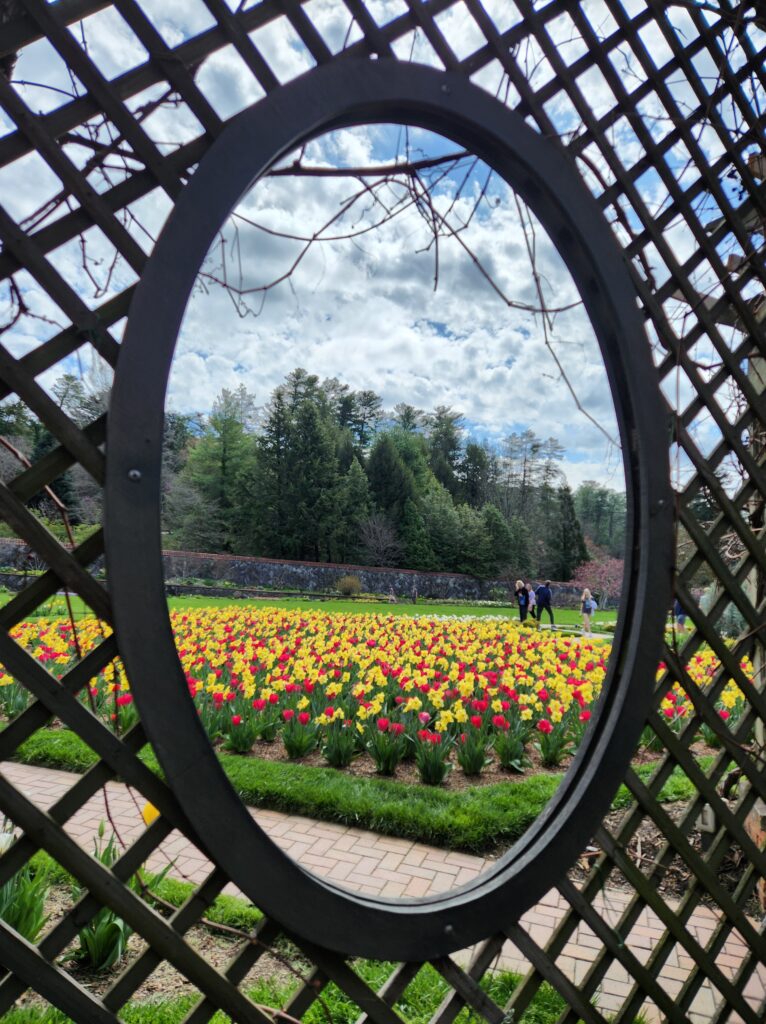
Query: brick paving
[[384, 866]]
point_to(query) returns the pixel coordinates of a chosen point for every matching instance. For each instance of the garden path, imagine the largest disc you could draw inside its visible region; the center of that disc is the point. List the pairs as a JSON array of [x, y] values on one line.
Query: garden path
[[384, 866]]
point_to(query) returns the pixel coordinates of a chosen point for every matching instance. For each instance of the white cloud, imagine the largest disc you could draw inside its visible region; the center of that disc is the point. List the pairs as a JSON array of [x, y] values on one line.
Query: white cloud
[[366, 311]]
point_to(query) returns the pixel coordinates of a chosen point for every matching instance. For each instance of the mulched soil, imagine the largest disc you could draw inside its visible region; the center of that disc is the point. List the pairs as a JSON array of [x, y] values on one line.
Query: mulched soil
[[670, 875], [364, 767], [165, 982]]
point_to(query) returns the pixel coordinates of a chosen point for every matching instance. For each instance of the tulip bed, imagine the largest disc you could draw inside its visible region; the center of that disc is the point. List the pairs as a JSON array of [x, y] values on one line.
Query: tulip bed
[[444, 693]]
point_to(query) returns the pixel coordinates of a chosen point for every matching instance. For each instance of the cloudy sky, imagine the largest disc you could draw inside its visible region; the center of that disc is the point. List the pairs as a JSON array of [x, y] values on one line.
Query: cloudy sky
[[363, 309], [371, 311]]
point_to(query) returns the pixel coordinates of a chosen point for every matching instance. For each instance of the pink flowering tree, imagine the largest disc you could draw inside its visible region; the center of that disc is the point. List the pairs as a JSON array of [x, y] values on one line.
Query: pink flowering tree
[[602, 575]]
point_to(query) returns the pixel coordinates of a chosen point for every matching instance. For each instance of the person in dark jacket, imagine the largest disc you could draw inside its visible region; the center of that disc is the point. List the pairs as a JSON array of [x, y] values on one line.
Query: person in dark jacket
[[544, 598], [522, 596]]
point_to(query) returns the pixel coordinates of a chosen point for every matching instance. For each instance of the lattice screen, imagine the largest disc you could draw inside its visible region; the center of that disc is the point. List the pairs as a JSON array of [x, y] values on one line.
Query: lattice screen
[[659, 107]]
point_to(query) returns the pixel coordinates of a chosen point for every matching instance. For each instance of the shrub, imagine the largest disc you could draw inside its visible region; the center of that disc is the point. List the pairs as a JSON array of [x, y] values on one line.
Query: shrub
[[349, 586]]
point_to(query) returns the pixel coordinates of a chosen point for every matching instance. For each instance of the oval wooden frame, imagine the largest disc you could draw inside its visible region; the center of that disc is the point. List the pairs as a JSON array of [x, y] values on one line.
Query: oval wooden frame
[[342, 94]]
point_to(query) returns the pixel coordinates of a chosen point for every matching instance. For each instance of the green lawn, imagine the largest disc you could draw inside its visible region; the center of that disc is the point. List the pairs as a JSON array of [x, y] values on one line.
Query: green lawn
[[56, 607]]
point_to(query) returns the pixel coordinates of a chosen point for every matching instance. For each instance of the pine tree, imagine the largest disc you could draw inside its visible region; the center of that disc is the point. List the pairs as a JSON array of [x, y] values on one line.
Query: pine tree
[[520, 547], [354, 510], [391, 483], [62, 486], [445, 429], [499, 538], [474, 555], [567, 543], [215, 461], [313, 518], [477, 473], [265, 490], [444, 528], [418, 553]]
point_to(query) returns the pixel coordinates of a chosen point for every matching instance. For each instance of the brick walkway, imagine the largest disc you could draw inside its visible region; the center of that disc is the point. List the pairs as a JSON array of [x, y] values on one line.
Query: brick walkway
[[380, 865]]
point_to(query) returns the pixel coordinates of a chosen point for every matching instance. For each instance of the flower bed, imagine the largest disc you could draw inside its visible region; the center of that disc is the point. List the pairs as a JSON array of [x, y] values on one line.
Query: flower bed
[[443, 693]]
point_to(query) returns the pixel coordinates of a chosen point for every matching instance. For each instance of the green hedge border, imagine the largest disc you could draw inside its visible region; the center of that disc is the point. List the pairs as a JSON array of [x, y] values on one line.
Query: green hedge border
[[480, 820]]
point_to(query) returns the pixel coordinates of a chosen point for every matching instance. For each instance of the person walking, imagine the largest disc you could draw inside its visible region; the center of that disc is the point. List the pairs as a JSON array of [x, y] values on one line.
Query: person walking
[[544, 598], [522, 596], [586, 610], [532, 601]]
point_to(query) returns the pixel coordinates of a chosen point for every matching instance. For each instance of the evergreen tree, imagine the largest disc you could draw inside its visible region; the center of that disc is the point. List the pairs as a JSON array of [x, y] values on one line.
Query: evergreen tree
[[81, 403], [474, 554], [567, 543], [299, 386], [366, 414], [407, 417], [498, 536], [520, 547], [313, 519], [215, 461], [444, 528], [16, 421], [391, 483], [264, 486], [477, 475], [602, 513], [62, 486], [418, 553], [445, 428], [413, 451], [354, 510]]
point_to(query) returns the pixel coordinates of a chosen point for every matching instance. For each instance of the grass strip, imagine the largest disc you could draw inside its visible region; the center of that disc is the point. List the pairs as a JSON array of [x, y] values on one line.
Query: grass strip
[[418, 1004], [479, 820], [225, 909]]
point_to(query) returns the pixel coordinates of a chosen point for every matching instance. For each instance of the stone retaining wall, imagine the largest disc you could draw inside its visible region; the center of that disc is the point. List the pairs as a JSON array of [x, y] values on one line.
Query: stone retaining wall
[[277, 575]]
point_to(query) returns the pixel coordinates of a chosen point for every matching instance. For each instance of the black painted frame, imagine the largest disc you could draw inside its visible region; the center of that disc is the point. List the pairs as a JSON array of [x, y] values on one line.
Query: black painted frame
[[341, 94]]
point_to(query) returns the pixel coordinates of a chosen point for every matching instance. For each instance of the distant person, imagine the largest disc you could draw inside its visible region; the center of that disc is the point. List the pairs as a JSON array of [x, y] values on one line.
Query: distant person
[[414, 594], [587, 608], [680, 615], [544, 598], [391, 596], [532, 600], [522, 597]]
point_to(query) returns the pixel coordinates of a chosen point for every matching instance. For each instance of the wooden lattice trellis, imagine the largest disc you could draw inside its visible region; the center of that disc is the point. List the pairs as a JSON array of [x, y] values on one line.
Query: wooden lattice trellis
[[696, 90]]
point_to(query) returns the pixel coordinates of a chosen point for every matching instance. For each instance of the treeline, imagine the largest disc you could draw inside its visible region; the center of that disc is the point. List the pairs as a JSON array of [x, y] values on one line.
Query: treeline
[[324, 473]]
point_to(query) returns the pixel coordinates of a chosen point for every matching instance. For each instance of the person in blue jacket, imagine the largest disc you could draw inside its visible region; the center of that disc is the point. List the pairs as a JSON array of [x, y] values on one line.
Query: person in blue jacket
[[544, 598]]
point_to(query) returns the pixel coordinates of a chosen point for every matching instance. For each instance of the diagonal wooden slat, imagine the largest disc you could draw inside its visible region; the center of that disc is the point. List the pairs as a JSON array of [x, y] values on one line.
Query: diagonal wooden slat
[[54, 984], [707, 111], [111, 892]]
